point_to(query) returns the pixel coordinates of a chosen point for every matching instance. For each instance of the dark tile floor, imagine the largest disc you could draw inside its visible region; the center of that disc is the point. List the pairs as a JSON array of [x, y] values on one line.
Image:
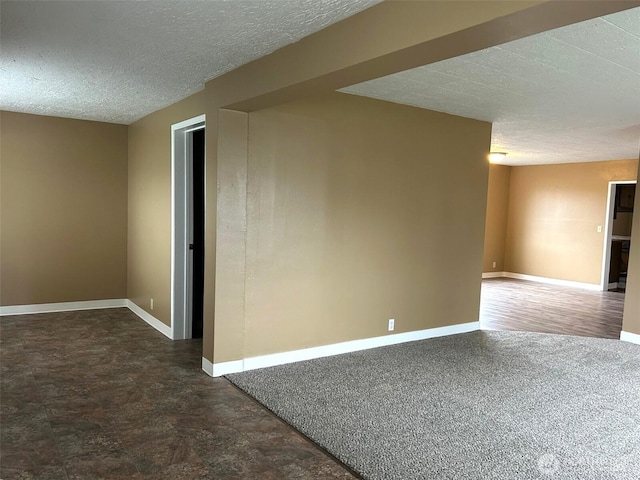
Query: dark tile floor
[[100, 394]]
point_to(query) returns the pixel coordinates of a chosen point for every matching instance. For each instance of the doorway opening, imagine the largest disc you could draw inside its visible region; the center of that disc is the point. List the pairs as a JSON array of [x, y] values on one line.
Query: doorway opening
[[187, 227], [617, 238]]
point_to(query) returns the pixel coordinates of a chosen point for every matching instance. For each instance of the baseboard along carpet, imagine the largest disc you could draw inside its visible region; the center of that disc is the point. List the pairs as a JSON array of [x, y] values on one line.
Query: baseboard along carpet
[[480, 405]]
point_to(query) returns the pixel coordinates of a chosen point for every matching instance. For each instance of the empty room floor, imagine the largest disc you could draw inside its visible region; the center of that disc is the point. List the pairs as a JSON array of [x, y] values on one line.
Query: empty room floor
[[100, 394], [509, 304]]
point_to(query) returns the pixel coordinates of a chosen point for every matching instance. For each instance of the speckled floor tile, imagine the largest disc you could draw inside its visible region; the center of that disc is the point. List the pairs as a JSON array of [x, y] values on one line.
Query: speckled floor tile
[[100, 394]]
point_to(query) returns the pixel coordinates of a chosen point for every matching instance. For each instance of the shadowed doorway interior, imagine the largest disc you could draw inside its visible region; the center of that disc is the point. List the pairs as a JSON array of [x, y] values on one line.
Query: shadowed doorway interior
[[622, 197], [196, 222]]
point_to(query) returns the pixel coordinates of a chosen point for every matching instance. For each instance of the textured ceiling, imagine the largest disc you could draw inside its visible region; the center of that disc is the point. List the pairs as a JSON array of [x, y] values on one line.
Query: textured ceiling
[[567, 95], [117, 61], [572, 94]]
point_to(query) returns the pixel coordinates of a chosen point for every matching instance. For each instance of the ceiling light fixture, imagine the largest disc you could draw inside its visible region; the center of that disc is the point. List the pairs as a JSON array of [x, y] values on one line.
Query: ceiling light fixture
[[497, 157]]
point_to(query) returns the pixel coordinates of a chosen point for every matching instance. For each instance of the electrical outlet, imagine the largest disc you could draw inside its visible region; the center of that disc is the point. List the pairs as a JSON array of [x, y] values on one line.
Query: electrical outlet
[[599, 228], [152, 304], [392, 324], [494, 264]]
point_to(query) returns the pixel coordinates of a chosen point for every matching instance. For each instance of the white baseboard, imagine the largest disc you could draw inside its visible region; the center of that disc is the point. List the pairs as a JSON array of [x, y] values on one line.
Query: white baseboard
[[207, 366], [224, 368], [87, 305], [264, 361], [150, 319], [630, 337], [61, 307], [553, 281], [493, 274]]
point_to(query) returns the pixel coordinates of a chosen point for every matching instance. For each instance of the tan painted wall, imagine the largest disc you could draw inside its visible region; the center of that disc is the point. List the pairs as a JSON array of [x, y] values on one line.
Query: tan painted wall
[[63, 210], [231, 241], [631, 321], [357, 212], [496, 222], [554, 212], [149, 243], [387, 38]]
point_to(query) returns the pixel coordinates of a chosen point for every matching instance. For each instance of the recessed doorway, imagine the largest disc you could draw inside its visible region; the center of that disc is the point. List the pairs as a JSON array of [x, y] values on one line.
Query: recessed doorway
[[187, 227], [617, 238]]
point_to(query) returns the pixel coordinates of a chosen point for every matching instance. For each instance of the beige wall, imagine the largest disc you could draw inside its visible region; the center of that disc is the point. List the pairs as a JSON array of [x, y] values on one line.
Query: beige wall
[[496, 221], [387, 38], [63, 210], [231, 241], [554, 212], [149, 243], [631, 321], [356, 212]]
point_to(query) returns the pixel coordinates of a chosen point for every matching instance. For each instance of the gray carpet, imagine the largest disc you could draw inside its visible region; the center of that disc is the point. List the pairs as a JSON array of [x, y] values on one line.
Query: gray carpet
[[499, 405]]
